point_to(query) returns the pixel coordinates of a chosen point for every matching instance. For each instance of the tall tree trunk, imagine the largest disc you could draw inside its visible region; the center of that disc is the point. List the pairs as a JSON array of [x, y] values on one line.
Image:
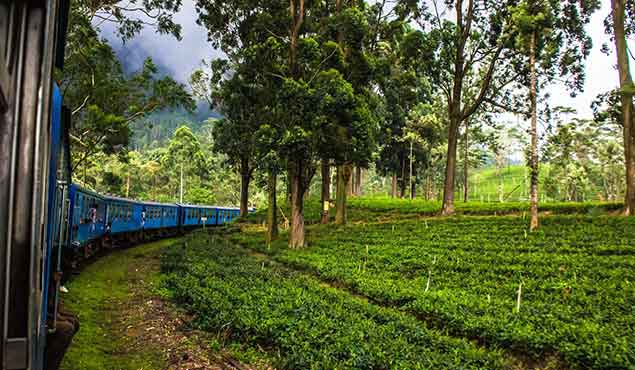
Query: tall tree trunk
[[466, 162], [410, 178], [358, 181], [393, 190], [297, 229], [181, 186], [128, 185], [272, 210], [450, 165], [245, 178], [402, 184], [349, 182], [533, 97], [244, 194], [326, 190], [628, 117], [343, 177]]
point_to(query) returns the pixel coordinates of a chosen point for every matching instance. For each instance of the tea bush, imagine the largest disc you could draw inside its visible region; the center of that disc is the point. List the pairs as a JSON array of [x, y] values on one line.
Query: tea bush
[[299, 322], [577, 278]]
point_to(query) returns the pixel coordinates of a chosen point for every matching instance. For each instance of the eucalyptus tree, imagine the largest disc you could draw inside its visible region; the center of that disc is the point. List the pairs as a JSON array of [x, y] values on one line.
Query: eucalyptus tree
[[473, 64], [228, 88], [403, 82], [294, 58], [621, 24], [351, 105], [185, 160], [551, 37]]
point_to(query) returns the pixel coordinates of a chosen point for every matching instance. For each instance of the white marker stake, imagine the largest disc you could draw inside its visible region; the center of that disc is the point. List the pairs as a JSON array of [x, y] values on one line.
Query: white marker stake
[[429, 278], [520, 292]]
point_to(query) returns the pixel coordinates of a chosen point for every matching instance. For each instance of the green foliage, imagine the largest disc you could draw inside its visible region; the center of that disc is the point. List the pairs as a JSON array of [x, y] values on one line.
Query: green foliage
[[102, 99], [298, 322]]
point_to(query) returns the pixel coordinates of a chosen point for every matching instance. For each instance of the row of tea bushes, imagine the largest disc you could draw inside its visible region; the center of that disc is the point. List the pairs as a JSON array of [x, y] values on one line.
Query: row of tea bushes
[[576, 277], [298, 322]]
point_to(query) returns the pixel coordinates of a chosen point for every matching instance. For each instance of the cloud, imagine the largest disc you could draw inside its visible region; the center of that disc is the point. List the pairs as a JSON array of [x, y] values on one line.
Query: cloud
[[175, 58]]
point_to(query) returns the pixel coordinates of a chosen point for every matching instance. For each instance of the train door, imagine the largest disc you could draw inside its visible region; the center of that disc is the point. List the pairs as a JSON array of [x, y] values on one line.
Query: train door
[[28, 43]]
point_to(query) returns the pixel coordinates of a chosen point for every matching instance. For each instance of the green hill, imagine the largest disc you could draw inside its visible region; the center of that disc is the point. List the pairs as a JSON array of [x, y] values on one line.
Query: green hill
[[511, 182]]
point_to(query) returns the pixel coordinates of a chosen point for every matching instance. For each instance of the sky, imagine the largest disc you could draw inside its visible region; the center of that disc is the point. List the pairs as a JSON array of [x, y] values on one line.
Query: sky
[[180, 59]]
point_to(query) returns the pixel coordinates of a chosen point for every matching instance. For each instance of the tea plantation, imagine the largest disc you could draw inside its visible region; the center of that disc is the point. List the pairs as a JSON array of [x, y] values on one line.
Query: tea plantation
[[408, 291]]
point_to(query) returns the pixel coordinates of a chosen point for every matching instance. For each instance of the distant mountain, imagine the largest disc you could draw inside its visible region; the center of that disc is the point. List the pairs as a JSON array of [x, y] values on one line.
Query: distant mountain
[[156, 129]]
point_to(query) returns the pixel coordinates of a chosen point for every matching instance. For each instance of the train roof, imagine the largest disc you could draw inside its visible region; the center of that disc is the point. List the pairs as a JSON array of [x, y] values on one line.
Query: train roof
[[87, 191], [207, 207], [148, 203]]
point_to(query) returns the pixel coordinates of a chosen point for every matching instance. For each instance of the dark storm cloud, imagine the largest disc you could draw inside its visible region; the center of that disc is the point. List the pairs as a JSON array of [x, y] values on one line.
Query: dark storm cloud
[[175, 58]]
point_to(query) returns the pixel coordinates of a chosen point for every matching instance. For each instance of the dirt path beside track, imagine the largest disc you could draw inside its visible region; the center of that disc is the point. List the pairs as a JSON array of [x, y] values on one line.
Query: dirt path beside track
[[127, 325]]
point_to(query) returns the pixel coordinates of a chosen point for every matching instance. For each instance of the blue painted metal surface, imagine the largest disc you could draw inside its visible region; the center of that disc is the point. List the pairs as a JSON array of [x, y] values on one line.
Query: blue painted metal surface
[[87, 216]]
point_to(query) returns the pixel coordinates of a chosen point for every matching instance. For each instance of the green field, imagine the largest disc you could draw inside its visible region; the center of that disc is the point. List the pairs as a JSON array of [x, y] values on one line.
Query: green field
[[402, 291], [487, 184]]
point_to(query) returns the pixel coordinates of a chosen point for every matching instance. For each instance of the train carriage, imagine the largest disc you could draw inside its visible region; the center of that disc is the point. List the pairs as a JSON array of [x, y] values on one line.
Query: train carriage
[[123, 215], [159, 215], [87, 216]]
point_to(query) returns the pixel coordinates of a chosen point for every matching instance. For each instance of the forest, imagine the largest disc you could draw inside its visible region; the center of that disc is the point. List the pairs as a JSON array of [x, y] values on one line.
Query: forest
[[412, 196]]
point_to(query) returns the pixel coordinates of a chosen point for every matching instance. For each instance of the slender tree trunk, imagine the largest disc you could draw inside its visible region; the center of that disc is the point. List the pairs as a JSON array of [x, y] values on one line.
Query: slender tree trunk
[[297, 230], [272, 210], [412, 192], [534, 135], [326, 190], [358, 181], [245, 178], [349, 182], [450, 165], [393, 190], [343, 177], [466, 162], [128, 186], [628, 116], [402, 184], [181, 186]]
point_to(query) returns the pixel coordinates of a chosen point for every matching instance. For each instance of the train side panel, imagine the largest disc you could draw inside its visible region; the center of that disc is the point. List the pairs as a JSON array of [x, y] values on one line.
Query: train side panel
[[124, 216], [87, 216]]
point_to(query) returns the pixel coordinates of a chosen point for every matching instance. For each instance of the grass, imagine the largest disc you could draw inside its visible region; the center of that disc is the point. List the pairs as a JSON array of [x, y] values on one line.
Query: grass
[[98, 296], [484, 183]]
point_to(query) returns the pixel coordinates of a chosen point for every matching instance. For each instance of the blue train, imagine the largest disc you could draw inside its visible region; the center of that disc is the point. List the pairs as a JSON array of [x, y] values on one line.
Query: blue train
[[44, 218], [95, 219]]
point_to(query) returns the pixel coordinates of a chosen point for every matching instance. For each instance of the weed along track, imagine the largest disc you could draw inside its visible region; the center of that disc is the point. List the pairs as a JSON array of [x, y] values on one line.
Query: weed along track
[[127, 325]]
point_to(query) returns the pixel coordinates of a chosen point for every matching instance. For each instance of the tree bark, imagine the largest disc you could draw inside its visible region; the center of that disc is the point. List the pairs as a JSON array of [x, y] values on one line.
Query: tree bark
[[628, 118], [245, 178], [393, 190], [349, 182], [272, 210], [326, 190], [299, 176], [466, 162], [402, 184], [343, 177], [450, 166], [534, 134], [410, 178], [358, 181]]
